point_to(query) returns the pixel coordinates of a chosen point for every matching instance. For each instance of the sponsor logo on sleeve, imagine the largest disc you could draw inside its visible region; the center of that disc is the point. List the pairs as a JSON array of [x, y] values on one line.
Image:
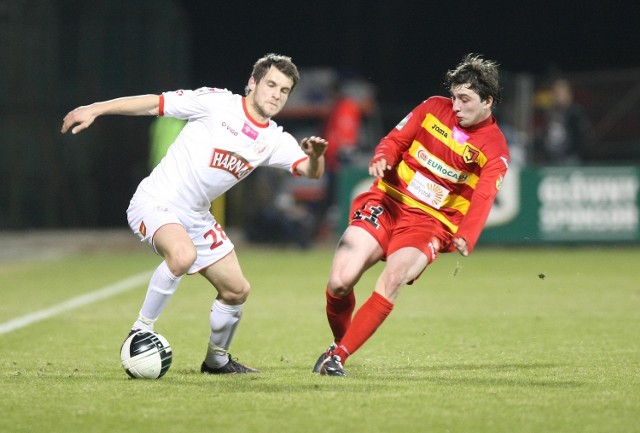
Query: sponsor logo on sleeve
[[404, 121]]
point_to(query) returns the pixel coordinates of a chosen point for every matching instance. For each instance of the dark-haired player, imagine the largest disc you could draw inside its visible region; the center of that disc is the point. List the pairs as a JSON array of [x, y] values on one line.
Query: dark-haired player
[[437, 175]]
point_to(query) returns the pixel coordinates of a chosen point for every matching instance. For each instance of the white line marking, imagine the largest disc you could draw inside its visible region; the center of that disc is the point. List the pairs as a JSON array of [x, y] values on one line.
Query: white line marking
[[103, 293]]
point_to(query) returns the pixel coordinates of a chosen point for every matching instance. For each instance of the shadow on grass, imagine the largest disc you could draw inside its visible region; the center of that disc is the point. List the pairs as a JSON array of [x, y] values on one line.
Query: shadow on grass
[[490, 367], [363, 378], [510, 375]]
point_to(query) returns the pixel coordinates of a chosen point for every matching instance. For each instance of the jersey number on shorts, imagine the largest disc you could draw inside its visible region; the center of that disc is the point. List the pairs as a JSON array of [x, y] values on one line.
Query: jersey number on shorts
[[218, 236], [370, 215]]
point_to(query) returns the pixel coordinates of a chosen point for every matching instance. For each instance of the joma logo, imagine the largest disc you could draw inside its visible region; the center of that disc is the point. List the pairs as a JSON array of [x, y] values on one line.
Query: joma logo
[[440, 131]]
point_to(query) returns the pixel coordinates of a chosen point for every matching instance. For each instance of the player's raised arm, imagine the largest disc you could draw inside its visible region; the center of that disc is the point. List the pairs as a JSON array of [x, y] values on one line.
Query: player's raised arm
[[83, 117]]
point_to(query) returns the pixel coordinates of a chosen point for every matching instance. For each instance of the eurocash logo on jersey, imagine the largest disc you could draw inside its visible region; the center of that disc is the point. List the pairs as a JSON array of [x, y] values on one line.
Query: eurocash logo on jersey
[[588, 203], [438, 166], [231, 162]]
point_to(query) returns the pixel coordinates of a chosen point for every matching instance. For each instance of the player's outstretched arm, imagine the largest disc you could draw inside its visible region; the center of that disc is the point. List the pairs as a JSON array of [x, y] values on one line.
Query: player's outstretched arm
[[83, 117]]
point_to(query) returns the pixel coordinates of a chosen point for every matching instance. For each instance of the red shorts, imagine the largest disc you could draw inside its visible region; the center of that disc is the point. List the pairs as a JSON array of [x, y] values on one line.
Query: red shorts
[[395, 225]]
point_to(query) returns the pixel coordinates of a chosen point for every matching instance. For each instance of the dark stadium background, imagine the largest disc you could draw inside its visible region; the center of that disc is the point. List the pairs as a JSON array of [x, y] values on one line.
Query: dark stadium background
[[58, 54], [407, 44]]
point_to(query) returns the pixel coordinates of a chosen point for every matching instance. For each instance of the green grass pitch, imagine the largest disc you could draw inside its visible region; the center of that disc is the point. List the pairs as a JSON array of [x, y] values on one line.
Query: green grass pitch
[[506, 340]]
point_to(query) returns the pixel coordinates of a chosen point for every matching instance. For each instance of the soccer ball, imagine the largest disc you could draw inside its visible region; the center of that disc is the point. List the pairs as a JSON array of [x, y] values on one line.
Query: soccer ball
[[146, 355]]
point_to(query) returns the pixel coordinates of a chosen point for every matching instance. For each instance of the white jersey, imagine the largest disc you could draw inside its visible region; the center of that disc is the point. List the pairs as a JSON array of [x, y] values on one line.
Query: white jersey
[[218, 147]]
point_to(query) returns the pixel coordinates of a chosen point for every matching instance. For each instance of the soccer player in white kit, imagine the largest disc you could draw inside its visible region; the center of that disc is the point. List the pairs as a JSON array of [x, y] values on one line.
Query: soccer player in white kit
[[225, 138]]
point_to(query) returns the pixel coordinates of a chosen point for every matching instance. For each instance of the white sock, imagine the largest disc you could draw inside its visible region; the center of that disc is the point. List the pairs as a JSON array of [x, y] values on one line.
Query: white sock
[[224, 321], [162, 286]]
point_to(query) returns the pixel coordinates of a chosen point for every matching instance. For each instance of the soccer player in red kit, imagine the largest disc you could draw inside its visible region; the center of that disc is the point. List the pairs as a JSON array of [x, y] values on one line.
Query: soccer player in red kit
[[437, 175]]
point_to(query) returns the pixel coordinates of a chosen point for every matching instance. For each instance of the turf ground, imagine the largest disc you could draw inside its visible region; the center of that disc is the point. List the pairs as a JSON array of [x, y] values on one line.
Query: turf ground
[[506, 340]]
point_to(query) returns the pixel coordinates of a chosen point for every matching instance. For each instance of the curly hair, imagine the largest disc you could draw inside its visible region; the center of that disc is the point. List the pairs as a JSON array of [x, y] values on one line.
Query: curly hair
[[479, 75], [282, 63]]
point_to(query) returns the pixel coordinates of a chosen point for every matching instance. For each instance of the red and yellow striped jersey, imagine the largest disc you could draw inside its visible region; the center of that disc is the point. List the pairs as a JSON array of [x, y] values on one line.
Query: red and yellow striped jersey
[[451, 173]]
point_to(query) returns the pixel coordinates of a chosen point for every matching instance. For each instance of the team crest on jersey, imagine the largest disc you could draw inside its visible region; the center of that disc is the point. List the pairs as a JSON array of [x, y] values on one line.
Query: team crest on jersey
[[470, 155], [231, 162], [260, 147], [404, 121]]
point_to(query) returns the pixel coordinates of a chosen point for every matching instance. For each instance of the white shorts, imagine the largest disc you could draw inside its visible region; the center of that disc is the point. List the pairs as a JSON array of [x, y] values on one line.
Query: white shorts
[[145, 217]]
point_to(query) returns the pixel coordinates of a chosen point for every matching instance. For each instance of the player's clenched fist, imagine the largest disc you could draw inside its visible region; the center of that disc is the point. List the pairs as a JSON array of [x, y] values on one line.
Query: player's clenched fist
[[314, 146]]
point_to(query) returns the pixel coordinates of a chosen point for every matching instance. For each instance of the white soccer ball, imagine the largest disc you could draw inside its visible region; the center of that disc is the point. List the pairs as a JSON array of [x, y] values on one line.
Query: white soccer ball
[[146, 355]]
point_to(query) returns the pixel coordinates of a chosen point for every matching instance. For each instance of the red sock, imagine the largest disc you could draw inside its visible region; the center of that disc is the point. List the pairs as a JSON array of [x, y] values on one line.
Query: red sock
[[339, 311], [365, 322]]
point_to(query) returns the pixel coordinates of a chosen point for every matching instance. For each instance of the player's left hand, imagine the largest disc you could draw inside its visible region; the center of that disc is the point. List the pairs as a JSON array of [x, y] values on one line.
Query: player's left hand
[[461, 245], [314, 146]]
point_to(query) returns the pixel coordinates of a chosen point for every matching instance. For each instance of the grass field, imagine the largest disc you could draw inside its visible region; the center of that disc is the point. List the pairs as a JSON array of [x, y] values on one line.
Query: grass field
[[507, 340]]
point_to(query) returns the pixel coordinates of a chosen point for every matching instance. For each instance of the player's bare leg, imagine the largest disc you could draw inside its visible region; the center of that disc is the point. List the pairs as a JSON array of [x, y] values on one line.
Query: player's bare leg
[[357, 251], [402, 267], [233, 289]]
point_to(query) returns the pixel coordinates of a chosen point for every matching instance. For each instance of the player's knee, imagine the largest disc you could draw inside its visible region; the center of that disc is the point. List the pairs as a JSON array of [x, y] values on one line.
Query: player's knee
[[338, 285], [237, 294], [180, 260]]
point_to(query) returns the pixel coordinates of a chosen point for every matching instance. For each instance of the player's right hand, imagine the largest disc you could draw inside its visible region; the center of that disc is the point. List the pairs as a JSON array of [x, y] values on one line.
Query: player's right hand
[[461, 245], [378, 165], [82, 117]]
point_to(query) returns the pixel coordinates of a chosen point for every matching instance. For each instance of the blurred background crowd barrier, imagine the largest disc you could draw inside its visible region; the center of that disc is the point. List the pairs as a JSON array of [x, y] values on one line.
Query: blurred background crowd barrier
[[559, 189]]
